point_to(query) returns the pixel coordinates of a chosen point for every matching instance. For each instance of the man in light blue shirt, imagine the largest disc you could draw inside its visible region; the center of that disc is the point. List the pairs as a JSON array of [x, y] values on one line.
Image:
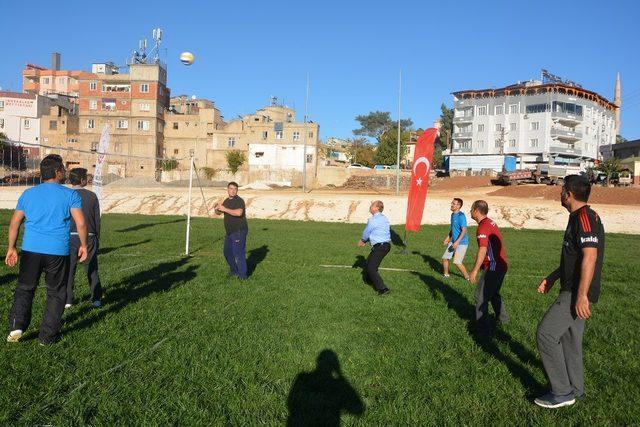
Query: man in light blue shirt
[[47, 210], [457, 241], [378, 234]]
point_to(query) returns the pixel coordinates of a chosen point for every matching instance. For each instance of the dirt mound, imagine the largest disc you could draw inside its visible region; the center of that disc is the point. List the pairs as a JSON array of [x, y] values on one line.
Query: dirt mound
[[604, 195], [459, 182]]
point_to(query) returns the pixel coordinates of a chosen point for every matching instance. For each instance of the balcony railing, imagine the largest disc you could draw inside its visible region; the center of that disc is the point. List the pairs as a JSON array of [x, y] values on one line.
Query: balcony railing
[[566, 134], [461, 149], [463, 119], [564, 149], [567, 116], [462, 135]]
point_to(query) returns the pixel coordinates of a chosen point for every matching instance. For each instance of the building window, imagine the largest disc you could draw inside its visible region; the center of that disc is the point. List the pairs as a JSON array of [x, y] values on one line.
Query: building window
[[143, 124], [123, 124], [480, 128], [499, 109], [145, 106], [279, 134], [482, 111], [93, 104], [265, 134], [176, 151], [586, 130], [117, 147], [27, 123], [537, 108], [45, 80], [309, 158], [310, 134], [90, 124], [480, 143], [175, 125], [53, 125], [513, 109], [144, 88], [498, 143], [1, 123], [535, 125], [72, 140], [513, 126], [512, 143], [1, 105], [533, 143], [109, 105], [498, 127], [61, 80], [296, 136], [231, 142], [94, 146], [93, 86]]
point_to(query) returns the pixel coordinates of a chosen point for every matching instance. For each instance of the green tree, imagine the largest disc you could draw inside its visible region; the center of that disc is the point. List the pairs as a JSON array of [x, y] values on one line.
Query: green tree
[[609, 167], [620, 139], [446, 125], [169, 165], [387, 151], [235, 159], [3, 137]]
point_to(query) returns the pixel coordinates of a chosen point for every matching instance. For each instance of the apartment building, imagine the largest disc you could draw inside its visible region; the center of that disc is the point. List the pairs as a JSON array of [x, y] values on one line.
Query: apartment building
[[20, 115], [534, 121]]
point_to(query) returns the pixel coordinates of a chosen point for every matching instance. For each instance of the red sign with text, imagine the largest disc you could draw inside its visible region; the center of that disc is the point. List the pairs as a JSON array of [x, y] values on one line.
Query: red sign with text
[[422, 159]]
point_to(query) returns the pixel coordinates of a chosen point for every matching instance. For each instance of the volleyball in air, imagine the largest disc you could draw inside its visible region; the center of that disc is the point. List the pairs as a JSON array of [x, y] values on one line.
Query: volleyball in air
[[187, 58]]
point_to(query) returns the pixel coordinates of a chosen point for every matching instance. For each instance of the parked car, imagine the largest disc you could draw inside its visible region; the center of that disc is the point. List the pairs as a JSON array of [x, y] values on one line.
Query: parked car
[[357, 166]]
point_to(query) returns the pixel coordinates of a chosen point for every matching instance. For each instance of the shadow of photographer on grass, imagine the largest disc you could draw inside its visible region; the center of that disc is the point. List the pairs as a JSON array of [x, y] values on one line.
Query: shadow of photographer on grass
[[321, 396]]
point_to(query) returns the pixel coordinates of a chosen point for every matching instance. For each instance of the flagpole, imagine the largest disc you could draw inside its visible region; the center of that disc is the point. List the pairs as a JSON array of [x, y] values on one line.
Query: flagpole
[[398, 148]]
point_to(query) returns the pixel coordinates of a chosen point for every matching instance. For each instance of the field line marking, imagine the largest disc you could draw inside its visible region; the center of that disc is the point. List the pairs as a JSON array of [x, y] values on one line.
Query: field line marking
[[381, 268]]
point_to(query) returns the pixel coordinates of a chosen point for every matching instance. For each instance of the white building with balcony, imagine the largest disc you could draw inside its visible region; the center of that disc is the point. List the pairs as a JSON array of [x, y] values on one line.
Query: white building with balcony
[[537, 123]]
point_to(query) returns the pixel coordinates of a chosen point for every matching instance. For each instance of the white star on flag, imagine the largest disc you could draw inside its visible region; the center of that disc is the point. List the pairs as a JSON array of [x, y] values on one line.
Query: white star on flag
[[419, 181]]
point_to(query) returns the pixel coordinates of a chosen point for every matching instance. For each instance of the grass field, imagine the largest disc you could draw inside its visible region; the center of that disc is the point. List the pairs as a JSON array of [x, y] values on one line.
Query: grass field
[[178, 342]]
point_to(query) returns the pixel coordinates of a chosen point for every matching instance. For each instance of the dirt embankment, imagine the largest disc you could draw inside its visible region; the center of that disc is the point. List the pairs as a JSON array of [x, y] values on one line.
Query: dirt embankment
[[599, 195]]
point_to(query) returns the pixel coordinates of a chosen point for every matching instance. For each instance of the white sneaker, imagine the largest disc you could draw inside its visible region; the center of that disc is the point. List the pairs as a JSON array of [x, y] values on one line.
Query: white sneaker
[[14, 336], [445, 275], [68, 306], [97, 303]]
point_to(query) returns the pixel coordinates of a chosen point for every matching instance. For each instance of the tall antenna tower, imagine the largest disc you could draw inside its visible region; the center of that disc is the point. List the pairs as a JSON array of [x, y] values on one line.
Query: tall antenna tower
[[141, 56]]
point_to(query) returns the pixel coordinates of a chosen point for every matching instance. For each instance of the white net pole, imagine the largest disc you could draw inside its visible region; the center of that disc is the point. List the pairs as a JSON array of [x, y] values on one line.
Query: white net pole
[[191, 153]]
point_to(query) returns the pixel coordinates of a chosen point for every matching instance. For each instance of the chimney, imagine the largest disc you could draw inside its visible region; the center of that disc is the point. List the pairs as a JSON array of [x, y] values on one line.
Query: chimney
[[55, 61]]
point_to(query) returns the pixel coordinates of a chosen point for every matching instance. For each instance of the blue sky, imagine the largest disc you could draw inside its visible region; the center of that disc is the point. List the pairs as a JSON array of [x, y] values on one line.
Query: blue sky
[[353, 50]]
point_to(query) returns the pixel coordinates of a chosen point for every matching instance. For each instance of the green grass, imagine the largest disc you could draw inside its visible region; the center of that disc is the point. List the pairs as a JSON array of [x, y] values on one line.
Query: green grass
[[177, 342]]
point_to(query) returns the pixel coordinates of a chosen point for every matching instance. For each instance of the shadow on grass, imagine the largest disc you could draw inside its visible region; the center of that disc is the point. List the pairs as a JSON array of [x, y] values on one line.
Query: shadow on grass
[[8, 278], [161, 278], [465, 310], [104, 251], [256, 256], [148, 224], [321, 396], [396, 239]]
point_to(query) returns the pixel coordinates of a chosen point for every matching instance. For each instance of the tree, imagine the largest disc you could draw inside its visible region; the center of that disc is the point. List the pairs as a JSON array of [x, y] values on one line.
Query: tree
[[387, 151], [3, 137], [235, 159], [169, 165], [620, 139], [446, 125], [609, 167]]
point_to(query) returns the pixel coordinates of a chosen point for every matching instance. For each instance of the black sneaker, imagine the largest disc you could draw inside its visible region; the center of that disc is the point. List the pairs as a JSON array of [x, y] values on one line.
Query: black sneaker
[[551, 401], [383, 292]]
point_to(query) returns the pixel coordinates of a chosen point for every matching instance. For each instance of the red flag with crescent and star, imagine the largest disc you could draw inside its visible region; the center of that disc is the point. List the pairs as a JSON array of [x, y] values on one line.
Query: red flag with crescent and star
[[420, 178]]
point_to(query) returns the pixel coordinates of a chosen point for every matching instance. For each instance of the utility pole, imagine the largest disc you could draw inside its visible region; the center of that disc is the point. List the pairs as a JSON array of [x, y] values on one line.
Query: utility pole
[[398, 148], [306, 134]]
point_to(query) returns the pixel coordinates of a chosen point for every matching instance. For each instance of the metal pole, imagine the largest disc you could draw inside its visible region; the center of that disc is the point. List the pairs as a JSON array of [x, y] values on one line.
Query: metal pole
[[398, 153], [186, 251], [306, 134]]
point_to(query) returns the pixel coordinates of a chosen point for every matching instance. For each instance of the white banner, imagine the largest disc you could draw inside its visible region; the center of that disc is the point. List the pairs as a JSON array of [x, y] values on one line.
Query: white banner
[[103, 146]]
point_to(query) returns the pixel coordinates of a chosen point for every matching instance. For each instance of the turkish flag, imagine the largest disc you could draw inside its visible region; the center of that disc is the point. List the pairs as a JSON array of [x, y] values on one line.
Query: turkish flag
[[420, 178]]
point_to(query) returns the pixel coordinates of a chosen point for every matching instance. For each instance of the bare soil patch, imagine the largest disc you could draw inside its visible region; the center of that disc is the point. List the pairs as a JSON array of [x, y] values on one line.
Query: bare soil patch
[[603, 195]]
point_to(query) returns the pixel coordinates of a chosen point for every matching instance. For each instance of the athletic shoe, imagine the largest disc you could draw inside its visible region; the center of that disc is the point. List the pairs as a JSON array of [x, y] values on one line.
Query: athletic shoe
[[445, 276], [68, 306], [14, 336], [582, 396], [552, 401], [383, 292], [97, 303]]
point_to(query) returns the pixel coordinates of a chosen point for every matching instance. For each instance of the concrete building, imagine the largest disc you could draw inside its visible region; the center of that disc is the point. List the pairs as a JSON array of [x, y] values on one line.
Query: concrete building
[[131, 104], [538, 123], [20, 115]]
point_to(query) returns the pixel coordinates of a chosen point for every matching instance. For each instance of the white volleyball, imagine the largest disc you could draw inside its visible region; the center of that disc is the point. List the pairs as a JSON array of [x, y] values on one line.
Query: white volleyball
[[187, 58]]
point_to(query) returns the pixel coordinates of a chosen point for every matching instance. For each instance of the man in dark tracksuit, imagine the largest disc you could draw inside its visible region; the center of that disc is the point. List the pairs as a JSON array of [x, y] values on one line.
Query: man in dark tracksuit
[[91, 211], [235, 224], [561, 329], [47, 210]]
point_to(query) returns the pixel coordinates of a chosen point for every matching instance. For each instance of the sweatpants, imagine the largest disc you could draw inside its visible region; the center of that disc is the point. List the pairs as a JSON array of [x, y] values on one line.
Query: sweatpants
[[55, 269], [488, 291], [377, 254], [234, 252], [560, 345], [90, 267]]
